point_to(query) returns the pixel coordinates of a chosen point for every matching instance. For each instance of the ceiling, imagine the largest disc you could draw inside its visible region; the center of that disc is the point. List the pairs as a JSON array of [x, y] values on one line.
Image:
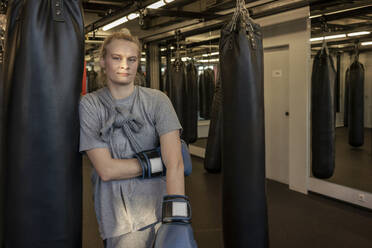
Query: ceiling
[[340, 18], [191, 17]]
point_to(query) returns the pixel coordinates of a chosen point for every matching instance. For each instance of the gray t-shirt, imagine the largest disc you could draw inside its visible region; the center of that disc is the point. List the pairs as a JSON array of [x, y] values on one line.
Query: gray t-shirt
[[124, 206]]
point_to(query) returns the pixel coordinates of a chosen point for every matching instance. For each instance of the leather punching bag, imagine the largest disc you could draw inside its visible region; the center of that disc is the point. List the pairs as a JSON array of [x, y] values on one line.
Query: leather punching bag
[[202, 102], [2, 178], [43, 69], [346, 98], [192, 103], [209, 91], [243, 141], [177, 93], [322, 115], [212, 160], [356, 104]]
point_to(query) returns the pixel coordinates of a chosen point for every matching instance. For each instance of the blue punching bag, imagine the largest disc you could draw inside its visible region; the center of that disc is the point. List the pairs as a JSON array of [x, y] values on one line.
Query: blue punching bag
[[243, 141], [43, 69]]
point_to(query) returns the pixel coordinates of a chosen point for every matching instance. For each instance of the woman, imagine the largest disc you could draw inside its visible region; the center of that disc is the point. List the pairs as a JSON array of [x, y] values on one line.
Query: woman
[[116, 122]]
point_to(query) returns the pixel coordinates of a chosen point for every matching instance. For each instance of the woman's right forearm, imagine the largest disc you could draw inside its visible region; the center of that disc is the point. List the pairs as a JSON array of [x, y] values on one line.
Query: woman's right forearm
[[113, 169], [122, 169]]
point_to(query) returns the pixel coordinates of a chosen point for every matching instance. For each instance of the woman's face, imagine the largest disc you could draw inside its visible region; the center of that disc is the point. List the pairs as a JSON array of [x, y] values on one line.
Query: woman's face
[[120, 62]]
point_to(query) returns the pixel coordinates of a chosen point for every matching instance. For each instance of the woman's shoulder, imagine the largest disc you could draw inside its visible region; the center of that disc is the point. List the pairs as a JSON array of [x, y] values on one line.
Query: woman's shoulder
[[152, 92], [153, 95], [91, 99]]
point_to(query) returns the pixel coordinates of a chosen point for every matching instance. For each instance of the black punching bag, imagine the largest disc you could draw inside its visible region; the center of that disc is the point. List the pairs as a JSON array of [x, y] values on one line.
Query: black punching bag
[[212, 160], [243, 146], [209, 91], [2, 178], [202, 94], [178, 91], [322, 115], [192, 103], [346, 98], [356, 104], [43, 69]]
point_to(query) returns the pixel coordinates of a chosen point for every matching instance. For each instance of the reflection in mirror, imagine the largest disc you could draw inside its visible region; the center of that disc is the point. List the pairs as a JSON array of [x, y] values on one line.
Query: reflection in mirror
[[348, 38]]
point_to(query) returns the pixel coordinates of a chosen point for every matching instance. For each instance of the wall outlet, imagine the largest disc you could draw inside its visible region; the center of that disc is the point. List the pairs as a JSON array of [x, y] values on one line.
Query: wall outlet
[[362, 197]]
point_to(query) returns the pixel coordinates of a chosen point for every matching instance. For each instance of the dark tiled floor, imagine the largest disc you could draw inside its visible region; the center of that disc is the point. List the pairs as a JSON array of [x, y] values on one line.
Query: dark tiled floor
[[201, 142], [295, 220], [353, 167]]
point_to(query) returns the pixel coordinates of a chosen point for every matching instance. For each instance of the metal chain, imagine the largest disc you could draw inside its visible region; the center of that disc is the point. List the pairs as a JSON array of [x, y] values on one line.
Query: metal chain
[[242, 16]]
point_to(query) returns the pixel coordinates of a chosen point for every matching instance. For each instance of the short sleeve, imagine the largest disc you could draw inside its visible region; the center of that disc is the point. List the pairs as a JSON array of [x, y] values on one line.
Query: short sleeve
[[166, 119], [89, 125]]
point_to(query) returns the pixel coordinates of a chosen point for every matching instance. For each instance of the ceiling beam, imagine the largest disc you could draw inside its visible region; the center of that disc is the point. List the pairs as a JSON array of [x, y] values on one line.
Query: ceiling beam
[[341, 15], [179, 13]]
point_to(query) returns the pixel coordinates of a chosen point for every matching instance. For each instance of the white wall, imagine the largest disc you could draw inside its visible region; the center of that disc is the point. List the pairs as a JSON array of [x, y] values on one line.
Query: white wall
[[292, 29]]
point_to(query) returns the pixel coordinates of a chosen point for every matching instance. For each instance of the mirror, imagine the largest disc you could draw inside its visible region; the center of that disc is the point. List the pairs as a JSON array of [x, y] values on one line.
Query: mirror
[[348, 36]]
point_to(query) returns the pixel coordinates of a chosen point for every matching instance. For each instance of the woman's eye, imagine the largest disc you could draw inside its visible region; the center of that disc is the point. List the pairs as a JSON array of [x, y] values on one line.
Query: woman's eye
[[132, 60], [116, 58]]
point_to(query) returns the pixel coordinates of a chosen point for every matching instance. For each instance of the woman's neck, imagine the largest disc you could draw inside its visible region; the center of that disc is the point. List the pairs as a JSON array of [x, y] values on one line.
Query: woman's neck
[[120, 91]]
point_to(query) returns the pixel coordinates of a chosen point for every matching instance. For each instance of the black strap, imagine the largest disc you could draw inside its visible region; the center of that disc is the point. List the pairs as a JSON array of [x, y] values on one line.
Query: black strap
[[57, 6], [176, 208]]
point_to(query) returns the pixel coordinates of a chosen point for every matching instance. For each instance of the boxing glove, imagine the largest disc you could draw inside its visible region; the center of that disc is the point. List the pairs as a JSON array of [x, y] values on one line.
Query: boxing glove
[[175, 230], [152, 163]]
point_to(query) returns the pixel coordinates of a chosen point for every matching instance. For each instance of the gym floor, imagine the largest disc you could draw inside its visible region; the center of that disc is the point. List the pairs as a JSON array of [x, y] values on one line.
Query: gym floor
[[295, 220], [353, 166]]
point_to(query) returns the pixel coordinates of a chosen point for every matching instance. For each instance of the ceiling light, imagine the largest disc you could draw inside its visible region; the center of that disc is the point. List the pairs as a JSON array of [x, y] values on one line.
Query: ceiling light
[[163, 49], [215, 53], [208, 60], [367, 43], [143, 60], [317, 39], [133, 16], [115, 23], [358, 33], [156, 5], [336, 36], [168, 1], [315, 16]]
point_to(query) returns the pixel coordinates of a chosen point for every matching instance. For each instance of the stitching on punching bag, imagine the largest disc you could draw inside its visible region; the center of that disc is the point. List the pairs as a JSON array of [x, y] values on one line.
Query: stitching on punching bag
[[57, 6]]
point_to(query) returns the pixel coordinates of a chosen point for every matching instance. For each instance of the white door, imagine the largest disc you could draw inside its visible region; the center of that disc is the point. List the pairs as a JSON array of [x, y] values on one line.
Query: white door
[[277, 113]]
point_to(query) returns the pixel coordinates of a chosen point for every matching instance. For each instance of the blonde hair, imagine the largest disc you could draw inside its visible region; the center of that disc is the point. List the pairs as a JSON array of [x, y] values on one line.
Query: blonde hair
[[124, 34]]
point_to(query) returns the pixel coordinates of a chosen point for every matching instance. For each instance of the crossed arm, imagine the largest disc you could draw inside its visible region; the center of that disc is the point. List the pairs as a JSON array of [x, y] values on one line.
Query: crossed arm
[[114, 169]]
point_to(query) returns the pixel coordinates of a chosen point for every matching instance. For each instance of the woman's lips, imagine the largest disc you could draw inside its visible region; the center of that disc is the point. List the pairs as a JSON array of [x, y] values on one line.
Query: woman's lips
[[123, 74]]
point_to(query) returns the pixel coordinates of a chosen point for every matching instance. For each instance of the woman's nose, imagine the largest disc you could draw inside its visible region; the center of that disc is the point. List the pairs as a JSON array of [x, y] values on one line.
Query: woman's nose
[[124, 64]]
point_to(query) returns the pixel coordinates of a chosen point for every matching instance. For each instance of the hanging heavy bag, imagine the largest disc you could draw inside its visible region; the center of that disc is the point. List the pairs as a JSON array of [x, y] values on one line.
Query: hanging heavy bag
[[2, 178], [209, 91], [356, 105], [93, 83], [322, 115], [44, 58], [346, 98], [243, 146], [212, 160], [192, 103], [178, 93], [202, 101]]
